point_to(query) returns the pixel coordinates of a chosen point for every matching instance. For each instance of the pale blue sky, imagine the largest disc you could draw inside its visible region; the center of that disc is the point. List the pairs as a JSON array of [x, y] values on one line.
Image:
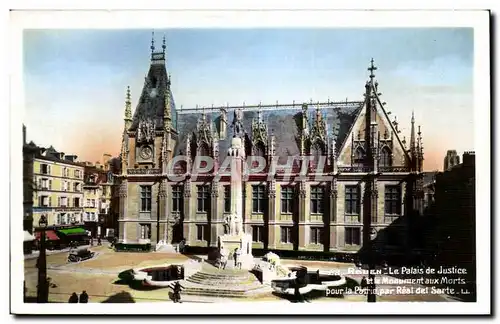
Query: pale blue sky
[[75, 80]]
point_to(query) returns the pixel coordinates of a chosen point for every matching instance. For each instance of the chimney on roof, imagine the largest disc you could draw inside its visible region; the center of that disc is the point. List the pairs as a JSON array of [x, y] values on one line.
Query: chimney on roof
[[105, 160], [451, 159], [469, 158], [24, 134]]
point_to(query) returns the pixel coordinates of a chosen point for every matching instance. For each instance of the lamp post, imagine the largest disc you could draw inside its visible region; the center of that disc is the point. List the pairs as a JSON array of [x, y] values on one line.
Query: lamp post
[[42, 293], [372, 296]]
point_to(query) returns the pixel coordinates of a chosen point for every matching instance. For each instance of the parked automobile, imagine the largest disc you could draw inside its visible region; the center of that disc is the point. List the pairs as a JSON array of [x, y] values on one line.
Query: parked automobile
[[80, 254]]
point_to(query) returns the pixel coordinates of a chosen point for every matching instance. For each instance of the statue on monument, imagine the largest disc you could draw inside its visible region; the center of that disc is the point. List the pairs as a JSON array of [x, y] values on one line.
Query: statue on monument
[[234, 224], [238, 224]]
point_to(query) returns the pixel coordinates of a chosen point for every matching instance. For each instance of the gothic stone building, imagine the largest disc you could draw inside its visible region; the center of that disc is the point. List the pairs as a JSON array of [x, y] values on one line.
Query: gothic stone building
[[369, 178]]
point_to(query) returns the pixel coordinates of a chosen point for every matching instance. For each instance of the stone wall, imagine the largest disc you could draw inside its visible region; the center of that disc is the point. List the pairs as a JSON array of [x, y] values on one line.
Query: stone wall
[[333, 231]]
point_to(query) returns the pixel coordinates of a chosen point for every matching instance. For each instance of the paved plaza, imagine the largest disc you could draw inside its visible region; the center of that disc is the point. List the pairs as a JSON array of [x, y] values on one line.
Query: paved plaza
[[99, 277]]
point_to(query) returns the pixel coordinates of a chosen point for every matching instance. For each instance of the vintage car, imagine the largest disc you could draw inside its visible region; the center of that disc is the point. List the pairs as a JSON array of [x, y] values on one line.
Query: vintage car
[[80, 254]]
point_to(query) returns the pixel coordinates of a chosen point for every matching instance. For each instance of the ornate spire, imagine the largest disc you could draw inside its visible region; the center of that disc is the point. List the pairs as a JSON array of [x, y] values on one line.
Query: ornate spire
[[152, 42], [318, 112], [412, 135], [157, 57], [372, 68], [168, 105], [420, 146], [259, 129], [128, 121], [259, 113], [204, 129], [319, 129], [128, 106], [272, 144], [164, 151], [203, 114]]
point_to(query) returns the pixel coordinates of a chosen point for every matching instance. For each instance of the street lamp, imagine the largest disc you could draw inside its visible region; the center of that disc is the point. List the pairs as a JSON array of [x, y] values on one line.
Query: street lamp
[[371, 296], [42, 293]]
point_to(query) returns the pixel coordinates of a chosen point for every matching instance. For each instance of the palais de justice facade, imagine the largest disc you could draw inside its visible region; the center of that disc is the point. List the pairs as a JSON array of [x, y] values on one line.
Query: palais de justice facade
[[370, 178]]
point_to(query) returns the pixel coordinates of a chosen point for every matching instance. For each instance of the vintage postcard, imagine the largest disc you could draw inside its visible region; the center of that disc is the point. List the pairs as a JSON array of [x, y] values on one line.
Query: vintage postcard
[[250, 162]]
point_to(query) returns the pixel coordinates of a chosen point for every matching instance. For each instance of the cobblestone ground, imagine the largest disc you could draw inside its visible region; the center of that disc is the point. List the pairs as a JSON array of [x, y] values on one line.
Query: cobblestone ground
[[99, 277]]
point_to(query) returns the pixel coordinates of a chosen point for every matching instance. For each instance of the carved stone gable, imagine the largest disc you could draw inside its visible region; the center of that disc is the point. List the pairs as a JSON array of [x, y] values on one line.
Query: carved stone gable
[[318, 130], [259, 131]]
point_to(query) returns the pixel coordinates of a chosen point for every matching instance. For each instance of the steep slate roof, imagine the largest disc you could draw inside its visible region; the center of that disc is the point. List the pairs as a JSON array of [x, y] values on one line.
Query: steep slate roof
[[282, 122], [153, 107]]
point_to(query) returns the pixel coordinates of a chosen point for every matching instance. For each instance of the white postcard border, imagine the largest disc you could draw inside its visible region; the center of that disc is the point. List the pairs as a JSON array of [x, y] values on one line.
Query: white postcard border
[[478, 20]]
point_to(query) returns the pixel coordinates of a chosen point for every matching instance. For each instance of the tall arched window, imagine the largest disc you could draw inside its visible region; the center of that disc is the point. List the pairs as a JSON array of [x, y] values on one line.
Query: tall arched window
[[359, 157], [204, 150], [385, 157]]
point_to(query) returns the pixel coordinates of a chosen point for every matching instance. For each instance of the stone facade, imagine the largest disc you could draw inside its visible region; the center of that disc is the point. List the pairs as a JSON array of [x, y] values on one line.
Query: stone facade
[[369, 179]]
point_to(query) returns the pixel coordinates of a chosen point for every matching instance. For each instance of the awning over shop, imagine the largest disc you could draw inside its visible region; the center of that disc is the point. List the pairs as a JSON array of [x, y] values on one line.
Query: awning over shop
[[49, 235], [28, 237], [73, 231]]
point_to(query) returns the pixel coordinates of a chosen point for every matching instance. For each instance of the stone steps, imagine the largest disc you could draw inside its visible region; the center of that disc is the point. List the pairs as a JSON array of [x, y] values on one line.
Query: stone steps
[[206, 279], [244, 283], [213, 291], [223, 283], [227, 293]]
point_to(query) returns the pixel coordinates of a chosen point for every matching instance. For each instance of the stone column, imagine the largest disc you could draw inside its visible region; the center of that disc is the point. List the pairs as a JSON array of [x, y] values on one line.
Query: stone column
[[362, 197], [123, 209], [271, 215], [236, 190], [333, 214], [187, 210], [162, 211], [237, 156], [303, 212], [214, 214], [374, 206]]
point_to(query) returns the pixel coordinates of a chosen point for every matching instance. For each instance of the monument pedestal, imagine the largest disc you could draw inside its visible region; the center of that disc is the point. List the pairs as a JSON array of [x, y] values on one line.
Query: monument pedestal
[[239, 247], [236, 243]]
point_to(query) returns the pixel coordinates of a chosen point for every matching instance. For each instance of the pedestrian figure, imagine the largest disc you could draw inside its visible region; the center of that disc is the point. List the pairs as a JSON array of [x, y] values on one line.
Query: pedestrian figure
[[99, 241], [73, 298], [364, 284], [297, 295], [84, 298], [182, 245], [91, 241], [235, 255], [177, 292], [25, 291]]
